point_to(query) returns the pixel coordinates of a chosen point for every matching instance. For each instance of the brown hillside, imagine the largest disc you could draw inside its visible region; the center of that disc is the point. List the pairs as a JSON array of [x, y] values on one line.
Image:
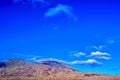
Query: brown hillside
[[17, 69]]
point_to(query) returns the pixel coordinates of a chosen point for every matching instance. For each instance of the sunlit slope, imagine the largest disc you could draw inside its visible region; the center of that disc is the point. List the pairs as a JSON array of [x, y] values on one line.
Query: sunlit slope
[[17, 69]]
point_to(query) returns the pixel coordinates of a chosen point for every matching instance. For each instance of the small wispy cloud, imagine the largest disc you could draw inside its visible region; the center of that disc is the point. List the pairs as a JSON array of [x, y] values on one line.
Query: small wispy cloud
[[91, 62], [60, 8], [34, 58], [77, 54], [104, 57], [52, 59], [111, 41], [99, 47], [28, 57]]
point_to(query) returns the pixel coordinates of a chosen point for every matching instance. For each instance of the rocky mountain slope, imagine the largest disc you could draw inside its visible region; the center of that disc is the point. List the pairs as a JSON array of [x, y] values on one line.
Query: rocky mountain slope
[[17, 69]]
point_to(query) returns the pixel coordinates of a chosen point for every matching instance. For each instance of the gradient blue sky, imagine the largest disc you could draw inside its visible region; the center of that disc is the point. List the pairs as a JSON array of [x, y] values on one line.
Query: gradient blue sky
[[83, 33]]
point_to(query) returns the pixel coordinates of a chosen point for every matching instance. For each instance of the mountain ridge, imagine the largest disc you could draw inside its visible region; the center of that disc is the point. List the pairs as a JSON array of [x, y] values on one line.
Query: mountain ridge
[[18, 69]]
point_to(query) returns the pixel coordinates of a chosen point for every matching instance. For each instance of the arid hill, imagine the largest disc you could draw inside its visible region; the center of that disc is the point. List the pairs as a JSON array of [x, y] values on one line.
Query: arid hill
[[17, 69]]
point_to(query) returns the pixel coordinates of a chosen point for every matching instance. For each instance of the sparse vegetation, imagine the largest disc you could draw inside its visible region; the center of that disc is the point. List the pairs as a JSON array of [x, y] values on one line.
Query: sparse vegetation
[[23, 70]]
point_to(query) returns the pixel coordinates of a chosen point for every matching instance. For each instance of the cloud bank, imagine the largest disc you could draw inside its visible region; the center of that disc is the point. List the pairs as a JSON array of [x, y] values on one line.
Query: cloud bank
[[51, 59], [100, 55], [91, 62]]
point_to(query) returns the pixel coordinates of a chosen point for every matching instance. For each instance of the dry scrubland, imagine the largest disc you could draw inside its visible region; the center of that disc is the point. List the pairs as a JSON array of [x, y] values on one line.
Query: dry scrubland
[[16, 69]]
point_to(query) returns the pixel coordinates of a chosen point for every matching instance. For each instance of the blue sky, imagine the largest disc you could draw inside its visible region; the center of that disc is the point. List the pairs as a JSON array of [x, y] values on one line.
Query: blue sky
[[83, 33]]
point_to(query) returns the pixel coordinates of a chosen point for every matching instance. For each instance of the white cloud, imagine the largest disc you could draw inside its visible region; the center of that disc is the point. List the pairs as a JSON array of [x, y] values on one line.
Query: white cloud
[[52, 59], [98, 53], [104, 57], [32, 59], [91, 62], [78, 54], [59, 9]]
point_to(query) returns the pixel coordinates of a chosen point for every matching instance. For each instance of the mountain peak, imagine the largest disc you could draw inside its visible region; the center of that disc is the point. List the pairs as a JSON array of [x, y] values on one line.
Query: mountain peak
[[13, 62]]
